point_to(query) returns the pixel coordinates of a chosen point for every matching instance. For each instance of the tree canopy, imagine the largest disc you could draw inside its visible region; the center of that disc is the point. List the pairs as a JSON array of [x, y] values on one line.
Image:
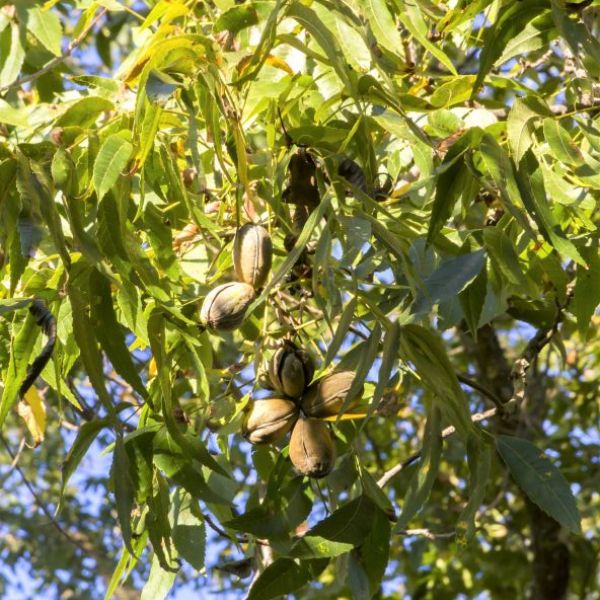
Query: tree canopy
[[389, 388]]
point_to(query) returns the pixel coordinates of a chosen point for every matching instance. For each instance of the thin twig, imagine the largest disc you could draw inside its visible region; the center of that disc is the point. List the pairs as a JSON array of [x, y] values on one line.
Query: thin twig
[[537, 343], [480, 388], [391, 473], [59, 59], [220, 531], [430, 535], [17, 456], [38, 500]]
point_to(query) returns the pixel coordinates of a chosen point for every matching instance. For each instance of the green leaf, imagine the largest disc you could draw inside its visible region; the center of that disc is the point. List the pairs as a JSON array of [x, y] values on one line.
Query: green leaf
[[531, 185], [45, 26], [189, 537], [262, 521], [125, 565], [451, 182], [450, 278], [426, 473], [110, 333], [500, 168], [561, 143], [543, 483], [113, 156], [472, 299], [88, 432], [367, 357], [584, 44], [456, 90], [309, 20], [503, 254], [124, 490], [536, 34], [479, 458], [374, 552], [192, 446], [236, 18], [169, 458], [20, 352], [83, 332], [358, 582], [285, 576], [8, 305], [353, 45], [347, 527], [13, 57], [341, 331], [159, 583], [140, 452], [36, 193], [385, 29], [84, 113], [587, 290], [411, 17], [315, 546], [511, 20], [388, 360], [520, 126], [426, 351]]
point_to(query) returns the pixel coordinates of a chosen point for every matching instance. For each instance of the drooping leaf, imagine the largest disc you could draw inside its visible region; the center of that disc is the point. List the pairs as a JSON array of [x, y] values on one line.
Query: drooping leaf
[[345, 528], [479, 458], [543, 483], [84, 112], [112, 159], [45, 26], [510, 21], [14, 56], [520, 126], [587, 290], [285, 576], [450, 184], [8, 305], [374, 552], [22, 346], [110, 333], [560, 142], [159, 583], [391, 342], [124, 490], [426, 474], [189, 537], [382, 24], [84, 335], [472, 299], [236, 18], [426, 351], [450, 278], [85, 438], [531, 186]]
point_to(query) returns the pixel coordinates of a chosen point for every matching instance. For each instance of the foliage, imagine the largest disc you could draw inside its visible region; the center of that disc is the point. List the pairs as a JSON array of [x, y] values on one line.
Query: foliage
[[453, 266]]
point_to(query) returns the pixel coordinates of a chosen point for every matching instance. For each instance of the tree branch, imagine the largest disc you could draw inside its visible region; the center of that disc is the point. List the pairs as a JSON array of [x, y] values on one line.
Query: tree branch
[[481, 389], [39, 501], [427, 533], [535, 345], [59, 59], [391, 473]]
